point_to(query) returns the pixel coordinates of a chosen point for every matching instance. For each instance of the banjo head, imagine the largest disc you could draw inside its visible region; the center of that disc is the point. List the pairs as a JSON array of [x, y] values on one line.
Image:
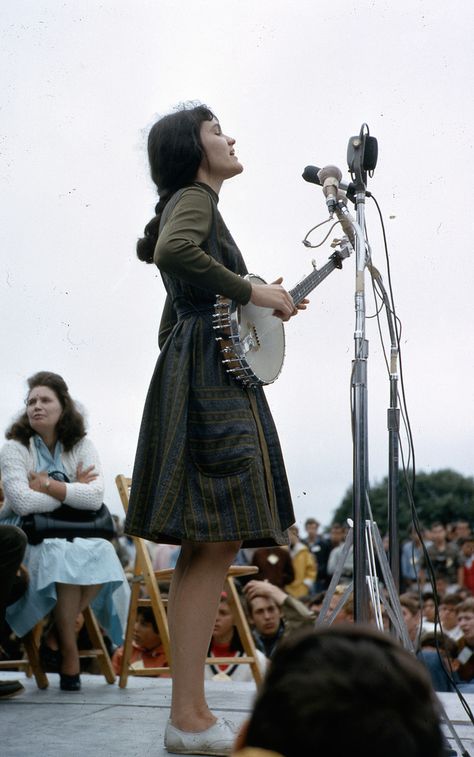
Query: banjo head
[[267, 336], [252, 339]]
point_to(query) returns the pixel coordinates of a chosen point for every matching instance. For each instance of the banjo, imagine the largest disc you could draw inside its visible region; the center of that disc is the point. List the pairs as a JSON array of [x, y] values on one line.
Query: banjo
[[251, 338]]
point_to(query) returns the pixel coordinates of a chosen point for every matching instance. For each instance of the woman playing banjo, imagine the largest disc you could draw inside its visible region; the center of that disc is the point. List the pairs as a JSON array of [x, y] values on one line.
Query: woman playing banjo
[[208, 473]]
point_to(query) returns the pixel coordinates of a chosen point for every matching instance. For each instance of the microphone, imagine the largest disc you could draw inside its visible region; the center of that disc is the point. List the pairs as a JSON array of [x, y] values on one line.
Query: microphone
[[329, 177], [310, 174]]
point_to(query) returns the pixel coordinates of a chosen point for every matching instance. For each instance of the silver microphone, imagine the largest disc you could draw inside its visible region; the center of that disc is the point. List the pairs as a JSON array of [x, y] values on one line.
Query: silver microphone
[[330, 176], [310, 174]]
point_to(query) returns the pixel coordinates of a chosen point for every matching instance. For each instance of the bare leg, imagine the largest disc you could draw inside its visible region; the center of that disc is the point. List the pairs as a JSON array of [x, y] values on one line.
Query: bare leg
[[72, 600], [194, 595], [87, 595]]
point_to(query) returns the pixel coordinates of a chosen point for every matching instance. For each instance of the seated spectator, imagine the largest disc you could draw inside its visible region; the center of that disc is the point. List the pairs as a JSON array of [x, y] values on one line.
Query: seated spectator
[[226, 642], [411, 611], [428, 612], [304, 566], [147, 648], [410, 561], [312, 537], [316, 602], [462, 531], [328, 543], [438, 653], [273, 614], [443, 585], [12, 549], [467, 558], [335, 559], [465, 672], [448, 617], [66, 576], [345, 613], [319, 548], [444, 556], [347, 689], [274, 564]]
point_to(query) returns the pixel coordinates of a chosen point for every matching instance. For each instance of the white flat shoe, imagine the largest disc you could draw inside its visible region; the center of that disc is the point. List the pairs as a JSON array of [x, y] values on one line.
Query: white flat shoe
[[217, 740]]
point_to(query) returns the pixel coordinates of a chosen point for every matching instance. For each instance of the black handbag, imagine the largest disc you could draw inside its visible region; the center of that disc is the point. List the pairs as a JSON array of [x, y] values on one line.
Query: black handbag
[[68, 522]]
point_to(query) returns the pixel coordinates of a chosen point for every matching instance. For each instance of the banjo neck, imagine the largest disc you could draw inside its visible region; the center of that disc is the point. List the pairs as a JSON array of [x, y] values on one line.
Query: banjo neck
[[310, 282]]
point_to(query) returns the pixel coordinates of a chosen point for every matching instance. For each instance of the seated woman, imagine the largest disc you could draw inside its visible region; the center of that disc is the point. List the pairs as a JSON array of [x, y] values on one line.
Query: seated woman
[[50, 437], [225, 642]]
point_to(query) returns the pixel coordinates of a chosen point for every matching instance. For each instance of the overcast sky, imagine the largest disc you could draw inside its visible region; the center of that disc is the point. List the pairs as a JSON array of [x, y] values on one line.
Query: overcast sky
[[83, 80]]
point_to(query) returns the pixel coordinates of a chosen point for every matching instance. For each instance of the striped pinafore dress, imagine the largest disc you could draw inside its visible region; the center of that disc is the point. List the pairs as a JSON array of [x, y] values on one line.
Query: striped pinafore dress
[[208, 466]]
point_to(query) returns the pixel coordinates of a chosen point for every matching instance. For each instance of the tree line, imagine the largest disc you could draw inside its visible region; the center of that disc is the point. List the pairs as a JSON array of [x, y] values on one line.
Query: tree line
[[443, 495]]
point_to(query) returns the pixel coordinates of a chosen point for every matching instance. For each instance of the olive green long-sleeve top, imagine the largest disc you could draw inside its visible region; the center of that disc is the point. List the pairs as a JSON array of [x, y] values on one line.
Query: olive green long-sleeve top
[[179, 251]]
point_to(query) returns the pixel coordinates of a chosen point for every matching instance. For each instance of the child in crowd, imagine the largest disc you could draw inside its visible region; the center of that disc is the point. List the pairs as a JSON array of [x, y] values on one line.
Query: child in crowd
[[148, 650], [467, 553]]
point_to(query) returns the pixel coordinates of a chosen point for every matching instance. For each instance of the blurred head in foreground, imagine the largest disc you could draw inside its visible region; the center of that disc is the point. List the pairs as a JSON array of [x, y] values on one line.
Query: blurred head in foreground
[[344, 689]]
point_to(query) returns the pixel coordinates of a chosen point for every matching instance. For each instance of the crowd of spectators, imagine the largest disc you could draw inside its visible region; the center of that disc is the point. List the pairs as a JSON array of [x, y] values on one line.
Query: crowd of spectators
[[286, 596], [436, 595], [436, 599]]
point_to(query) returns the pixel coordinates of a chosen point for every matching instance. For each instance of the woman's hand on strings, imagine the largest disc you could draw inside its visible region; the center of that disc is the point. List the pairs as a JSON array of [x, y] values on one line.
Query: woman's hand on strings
[[276, 297]]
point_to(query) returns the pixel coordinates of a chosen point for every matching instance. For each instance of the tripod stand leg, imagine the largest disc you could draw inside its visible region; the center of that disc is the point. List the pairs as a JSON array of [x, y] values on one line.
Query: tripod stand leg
[[400, 625], [447, 748], [334, 582], [394, 611]]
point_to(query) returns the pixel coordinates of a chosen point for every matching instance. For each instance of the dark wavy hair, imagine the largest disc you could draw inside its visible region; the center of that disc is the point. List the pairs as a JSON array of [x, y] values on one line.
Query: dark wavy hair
[[70, 428], [346, 689], [175, 153]]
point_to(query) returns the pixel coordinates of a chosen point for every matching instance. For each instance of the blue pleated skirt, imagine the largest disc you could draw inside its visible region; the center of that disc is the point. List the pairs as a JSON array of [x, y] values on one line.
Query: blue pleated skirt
[[82, 562]]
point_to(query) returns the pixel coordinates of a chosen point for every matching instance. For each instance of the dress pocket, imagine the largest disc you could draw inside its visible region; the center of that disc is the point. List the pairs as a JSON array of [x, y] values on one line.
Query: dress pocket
[[222, 435]]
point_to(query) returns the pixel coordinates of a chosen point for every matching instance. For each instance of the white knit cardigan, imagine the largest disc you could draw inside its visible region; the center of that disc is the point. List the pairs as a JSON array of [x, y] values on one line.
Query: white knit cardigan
[[16, 461]]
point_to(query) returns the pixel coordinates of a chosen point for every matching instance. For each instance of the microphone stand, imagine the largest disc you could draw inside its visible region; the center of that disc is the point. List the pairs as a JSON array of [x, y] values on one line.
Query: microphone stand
[[364, 546], [359, 429], [393, 425], [362, 158]]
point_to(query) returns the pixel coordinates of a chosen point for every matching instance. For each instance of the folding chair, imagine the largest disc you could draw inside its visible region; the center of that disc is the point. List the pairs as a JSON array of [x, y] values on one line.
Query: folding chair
[[31, 662]]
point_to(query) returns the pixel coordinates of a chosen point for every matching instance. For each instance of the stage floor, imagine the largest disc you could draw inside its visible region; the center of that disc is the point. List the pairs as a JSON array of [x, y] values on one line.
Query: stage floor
[[107, 721]]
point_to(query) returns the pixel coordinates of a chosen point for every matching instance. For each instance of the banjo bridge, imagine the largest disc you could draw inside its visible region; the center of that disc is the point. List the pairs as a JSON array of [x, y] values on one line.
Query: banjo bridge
[[251, 341]]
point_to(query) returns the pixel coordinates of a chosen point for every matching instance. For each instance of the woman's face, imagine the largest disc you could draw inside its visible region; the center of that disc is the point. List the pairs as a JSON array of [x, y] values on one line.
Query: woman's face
[[43, 409], [220, 161]]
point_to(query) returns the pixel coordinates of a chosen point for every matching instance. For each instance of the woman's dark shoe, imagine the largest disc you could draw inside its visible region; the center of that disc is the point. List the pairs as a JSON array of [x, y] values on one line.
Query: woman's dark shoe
[[10, 689], [50, 658], [69, 683]]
